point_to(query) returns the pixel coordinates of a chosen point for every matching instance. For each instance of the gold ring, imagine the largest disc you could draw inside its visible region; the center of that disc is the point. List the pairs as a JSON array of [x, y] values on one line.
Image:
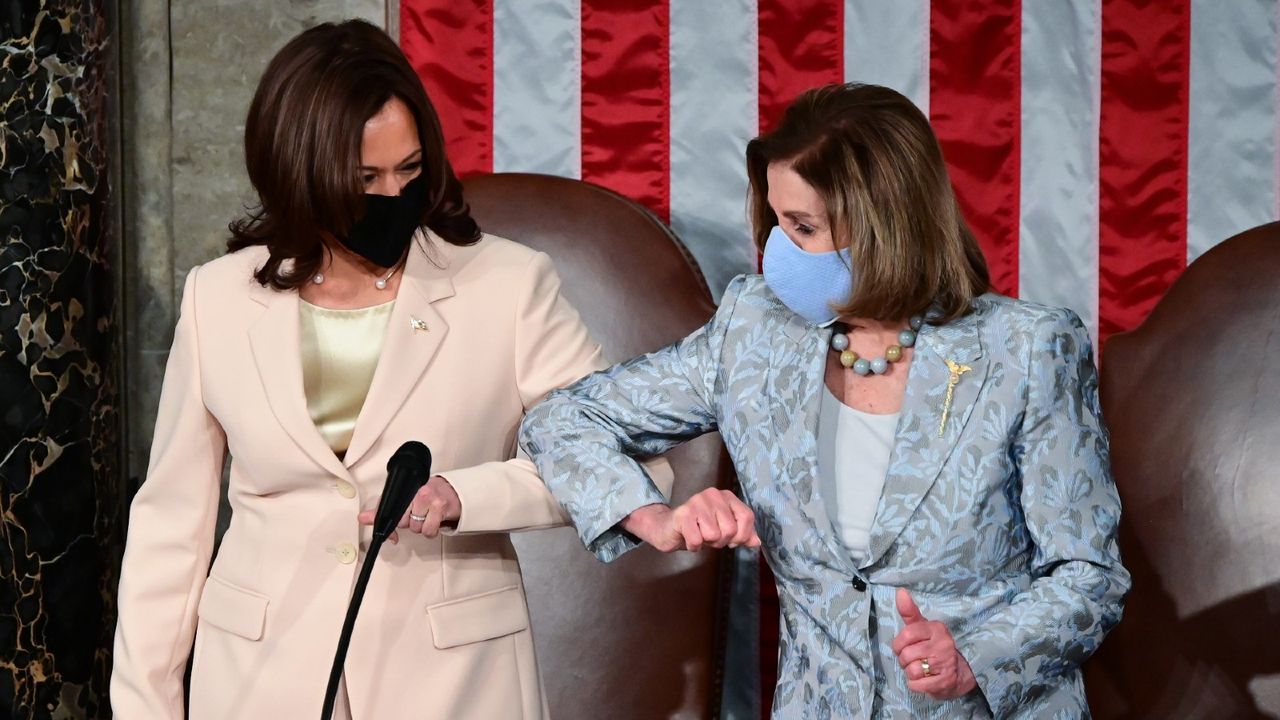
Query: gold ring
[[924, 667]]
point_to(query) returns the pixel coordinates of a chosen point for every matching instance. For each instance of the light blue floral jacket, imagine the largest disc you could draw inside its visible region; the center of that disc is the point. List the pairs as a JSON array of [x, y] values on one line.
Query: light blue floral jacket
[[1001, 522]]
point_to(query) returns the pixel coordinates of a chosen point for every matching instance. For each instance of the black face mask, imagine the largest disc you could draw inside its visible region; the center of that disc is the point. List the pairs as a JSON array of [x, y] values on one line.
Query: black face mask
[[383, 233]]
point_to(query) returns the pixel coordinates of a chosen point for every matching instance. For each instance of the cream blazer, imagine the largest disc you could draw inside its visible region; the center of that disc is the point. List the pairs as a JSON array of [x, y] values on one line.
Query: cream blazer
[[477, 336]]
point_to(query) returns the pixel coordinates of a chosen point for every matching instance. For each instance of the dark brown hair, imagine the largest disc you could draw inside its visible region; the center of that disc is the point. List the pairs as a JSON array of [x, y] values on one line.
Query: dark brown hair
[[874, 160], [302, 148]]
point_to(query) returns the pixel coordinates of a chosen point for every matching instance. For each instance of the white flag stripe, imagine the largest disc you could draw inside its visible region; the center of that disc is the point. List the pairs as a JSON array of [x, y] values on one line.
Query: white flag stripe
[[714, 60], [887, 43], [537, 87], [1058, 214], [1231, 153], [714, 111]]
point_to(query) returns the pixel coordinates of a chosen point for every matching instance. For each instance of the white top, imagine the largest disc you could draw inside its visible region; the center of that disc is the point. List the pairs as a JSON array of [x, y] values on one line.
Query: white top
[[853, 459]]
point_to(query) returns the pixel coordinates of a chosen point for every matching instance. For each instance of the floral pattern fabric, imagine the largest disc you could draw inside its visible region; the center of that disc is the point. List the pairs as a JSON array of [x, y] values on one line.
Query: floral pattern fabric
[[1000, 521]]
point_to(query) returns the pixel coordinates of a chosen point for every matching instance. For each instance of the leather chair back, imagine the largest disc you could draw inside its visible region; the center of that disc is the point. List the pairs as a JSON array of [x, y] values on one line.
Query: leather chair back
[[1192, 399], [642, 637]]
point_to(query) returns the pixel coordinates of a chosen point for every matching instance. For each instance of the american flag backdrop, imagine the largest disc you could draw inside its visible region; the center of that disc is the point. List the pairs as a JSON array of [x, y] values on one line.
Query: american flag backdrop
[[1096, 146]]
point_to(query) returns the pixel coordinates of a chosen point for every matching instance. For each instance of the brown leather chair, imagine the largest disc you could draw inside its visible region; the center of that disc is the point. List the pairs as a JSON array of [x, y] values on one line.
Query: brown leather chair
[[1192, 398], [642, 637]]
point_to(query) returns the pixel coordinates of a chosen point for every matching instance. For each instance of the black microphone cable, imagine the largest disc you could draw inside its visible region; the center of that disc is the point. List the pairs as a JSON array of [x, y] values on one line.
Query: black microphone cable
[[407, 470]]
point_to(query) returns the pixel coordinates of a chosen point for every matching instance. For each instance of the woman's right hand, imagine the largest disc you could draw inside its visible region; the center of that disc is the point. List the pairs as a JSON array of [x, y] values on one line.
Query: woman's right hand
[[713, 517]]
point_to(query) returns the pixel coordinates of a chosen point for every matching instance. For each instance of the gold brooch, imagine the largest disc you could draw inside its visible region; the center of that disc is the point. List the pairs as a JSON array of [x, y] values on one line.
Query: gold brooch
[[956, 371], [417, 324]]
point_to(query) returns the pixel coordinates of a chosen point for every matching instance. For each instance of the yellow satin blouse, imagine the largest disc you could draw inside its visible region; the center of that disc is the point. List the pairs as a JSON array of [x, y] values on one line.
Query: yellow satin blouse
[[340, 350]]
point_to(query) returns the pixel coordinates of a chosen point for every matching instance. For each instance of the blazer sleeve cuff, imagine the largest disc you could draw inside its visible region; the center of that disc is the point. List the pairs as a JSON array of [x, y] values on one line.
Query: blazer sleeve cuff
[[491, 500], [997, 673], [599, 527], [475, 495]]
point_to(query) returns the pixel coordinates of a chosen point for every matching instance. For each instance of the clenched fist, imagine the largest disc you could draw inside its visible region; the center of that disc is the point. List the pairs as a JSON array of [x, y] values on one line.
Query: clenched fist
[[713, 517]]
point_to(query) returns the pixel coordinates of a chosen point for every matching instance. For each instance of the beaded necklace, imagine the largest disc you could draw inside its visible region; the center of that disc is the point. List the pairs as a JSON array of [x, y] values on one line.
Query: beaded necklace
[[880, 365]]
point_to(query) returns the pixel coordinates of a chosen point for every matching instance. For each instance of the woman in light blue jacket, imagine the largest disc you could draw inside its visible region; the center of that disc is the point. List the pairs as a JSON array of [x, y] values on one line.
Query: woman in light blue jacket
[[925, 461]]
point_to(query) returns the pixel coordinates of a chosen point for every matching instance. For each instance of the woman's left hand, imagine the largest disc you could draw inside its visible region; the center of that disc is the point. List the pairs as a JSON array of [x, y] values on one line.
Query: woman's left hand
[[927, 645], [436, 502]]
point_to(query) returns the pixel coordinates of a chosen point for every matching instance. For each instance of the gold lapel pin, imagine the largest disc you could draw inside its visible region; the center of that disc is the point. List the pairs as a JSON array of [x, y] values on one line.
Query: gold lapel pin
[[956, 371], [417, 324]]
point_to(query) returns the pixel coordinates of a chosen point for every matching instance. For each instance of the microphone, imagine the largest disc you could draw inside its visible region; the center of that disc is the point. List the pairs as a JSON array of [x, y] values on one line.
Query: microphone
[[407, 470]]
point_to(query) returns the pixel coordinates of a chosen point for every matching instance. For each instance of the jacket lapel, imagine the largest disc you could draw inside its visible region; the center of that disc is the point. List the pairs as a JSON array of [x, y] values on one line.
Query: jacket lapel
[[796, 370], [276, 347], [923, 442], [415, 331]]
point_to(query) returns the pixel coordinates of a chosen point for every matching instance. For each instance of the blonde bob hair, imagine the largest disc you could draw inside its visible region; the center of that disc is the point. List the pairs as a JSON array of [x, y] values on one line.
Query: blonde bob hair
[[873, 159]]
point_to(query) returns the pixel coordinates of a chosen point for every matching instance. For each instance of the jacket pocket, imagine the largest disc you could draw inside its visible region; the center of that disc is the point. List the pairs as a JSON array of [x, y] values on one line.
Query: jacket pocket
[[474, 618], [234, 609]]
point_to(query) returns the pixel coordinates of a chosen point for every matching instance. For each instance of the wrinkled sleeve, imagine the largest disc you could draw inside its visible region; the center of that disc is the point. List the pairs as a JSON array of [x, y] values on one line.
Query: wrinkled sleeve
[[553, 349], [1072, 513], [583, 438], [170, 538]]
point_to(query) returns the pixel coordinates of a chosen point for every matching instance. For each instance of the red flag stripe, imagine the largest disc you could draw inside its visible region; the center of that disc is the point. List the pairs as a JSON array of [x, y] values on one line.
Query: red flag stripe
[[450, 45], [626, 94], [1142, 233], [801, 46], [975, 84]]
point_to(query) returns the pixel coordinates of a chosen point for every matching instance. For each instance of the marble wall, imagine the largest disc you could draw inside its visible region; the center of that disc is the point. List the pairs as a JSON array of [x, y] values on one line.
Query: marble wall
[[60, 439]]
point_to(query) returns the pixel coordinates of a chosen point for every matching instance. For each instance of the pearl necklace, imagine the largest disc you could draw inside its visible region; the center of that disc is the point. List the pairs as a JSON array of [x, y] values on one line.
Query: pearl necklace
[[880, 365], [380, 283]]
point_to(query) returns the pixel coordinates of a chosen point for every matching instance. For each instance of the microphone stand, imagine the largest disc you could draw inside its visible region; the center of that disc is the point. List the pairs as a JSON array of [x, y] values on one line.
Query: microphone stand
[[344, 640], [407, 471]]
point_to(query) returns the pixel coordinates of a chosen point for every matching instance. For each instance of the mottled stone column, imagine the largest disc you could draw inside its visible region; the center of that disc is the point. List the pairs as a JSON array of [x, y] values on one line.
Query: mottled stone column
[[59, 426]]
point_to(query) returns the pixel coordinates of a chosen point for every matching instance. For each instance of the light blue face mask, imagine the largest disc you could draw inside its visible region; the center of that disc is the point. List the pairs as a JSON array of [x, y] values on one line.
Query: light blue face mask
[[808, 283]]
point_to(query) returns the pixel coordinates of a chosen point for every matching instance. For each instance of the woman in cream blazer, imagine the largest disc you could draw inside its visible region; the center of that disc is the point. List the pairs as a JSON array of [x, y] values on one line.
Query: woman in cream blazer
[[443, 619], [477, 334]]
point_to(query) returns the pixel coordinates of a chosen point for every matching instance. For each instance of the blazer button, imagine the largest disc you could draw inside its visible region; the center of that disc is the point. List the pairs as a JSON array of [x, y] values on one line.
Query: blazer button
[[859, 584], [345, 553], [345, 489]]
